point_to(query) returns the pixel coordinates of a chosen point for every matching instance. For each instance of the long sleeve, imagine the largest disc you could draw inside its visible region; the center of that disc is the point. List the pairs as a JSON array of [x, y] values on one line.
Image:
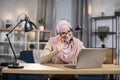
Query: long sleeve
[[47, 54]]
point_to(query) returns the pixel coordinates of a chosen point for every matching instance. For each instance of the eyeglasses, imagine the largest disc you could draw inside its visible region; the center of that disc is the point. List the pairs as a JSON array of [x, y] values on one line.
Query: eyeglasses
[[65, 33]]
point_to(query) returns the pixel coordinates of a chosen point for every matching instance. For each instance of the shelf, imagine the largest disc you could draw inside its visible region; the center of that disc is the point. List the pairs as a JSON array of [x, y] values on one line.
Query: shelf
[[111, 21], [42, 42], [22, 41], [4, 55], [103, 17], [104, 32], [23, 30], [4, 29]]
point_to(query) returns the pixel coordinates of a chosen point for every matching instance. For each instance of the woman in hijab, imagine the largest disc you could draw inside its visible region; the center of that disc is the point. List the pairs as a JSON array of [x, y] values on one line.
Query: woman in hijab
[[64, 48]]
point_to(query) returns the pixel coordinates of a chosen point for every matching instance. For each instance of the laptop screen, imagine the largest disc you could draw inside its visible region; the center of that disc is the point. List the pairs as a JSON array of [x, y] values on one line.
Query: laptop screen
[[91, 57]]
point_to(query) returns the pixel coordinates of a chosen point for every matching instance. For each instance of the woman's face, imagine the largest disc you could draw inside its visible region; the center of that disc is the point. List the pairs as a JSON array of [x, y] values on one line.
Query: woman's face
[[66, 33]]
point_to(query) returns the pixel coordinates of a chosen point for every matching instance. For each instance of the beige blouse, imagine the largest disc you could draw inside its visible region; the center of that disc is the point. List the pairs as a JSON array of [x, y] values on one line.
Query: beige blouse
[[48, 55]]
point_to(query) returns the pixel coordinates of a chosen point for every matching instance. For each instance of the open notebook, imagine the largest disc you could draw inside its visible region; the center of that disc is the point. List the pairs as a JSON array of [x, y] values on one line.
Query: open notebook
[[91, 57]]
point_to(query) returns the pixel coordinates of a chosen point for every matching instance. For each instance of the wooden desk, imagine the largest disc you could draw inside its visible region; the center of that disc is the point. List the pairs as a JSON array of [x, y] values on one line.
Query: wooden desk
[[61, 69]]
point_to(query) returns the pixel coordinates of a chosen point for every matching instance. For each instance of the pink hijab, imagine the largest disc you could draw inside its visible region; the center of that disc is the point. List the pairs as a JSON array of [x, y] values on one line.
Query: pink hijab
[[70, 50], [60, 23]]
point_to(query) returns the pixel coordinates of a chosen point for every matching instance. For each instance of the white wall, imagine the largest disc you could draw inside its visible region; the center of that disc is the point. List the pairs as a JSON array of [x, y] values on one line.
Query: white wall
[[11, 9], [106, 6]]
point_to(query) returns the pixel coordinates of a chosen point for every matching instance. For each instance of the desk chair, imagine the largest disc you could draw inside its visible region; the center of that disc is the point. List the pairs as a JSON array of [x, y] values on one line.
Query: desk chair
[[27, 56]]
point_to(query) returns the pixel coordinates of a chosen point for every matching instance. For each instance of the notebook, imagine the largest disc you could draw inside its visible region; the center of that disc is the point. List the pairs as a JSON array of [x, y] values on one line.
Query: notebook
[[91, 58]]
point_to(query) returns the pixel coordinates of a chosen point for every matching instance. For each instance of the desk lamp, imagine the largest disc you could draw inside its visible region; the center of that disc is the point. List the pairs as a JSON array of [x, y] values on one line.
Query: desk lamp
[[28, 26]]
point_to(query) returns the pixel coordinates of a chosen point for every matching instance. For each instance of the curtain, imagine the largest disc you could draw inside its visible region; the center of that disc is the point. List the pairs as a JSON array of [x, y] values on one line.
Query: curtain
[[83, 20], [46, 10]]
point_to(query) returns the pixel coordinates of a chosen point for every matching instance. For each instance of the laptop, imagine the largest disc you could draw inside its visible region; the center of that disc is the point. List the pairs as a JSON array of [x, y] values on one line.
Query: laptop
[[91, 58]]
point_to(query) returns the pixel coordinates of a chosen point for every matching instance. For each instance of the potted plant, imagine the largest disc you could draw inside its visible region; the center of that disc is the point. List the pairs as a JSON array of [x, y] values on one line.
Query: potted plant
[[102, 36], [42, 24], [31, 46]]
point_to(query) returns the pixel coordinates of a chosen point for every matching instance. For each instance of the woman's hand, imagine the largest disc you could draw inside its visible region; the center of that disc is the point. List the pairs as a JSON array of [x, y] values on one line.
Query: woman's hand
[[59, 42]]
